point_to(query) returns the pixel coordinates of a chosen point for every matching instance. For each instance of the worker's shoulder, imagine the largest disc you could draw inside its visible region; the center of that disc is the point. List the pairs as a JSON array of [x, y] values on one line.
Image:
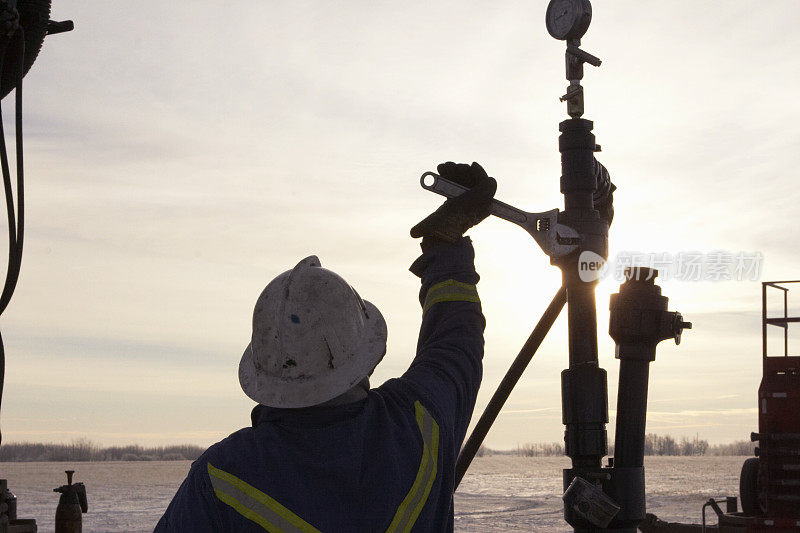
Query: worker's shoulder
[[396, 393], [221, 451], [404, 395]]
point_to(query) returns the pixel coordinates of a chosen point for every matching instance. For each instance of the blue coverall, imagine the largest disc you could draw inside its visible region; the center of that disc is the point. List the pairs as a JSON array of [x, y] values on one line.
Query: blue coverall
[[385, 463]]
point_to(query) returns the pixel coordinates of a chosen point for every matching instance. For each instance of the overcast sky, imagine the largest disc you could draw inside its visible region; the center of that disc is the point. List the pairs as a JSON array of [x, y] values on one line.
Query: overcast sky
[[182, 154]]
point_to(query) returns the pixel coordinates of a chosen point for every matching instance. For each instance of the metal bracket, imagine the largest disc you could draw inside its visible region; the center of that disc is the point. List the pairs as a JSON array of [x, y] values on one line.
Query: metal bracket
[[556, 240]]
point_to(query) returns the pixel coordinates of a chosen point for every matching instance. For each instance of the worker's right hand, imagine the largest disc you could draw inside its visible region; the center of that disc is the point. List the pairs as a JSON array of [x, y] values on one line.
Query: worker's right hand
[[456, 215], [604, 194]]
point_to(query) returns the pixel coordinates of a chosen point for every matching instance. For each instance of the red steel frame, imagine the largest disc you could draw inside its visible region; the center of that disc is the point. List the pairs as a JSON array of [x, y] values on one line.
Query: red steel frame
[[779, 417]]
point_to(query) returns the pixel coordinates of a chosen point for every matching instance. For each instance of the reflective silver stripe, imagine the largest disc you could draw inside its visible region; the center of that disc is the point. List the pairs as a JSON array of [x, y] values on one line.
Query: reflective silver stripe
[[415, 500], [450, 291], [255, 505]]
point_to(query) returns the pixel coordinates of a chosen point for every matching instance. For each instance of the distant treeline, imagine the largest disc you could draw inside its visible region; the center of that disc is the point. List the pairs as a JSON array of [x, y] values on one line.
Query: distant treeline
[[86, 450], [653, 445]]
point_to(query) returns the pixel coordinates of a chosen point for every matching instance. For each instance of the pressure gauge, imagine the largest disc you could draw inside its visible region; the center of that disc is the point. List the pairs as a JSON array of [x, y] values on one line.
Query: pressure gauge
[[568, 19]]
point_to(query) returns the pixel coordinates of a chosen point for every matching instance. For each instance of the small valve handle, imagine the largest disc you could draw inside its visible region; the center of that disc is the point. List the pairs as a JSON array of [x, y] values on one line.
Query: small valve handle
[[54, 27], [679, 325], [583, 55]]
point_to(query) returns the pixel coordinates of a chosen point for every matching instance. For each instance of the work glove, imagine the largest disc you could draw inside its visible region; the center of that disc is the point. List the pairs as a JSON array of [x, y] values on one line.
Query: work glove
[[456, 215], [604, 194]]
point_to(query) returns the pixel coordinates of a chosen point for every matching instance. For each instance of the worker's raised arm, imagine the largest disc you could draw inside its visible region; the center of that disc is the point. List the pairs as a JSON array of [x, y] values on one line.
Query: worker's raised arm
[[447, 366]]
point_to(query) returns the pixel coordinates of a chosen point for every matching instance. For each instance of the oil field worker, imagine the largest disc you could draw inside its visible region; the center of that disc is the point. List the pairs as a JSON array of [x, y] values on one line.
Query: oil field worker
[[325, 452]]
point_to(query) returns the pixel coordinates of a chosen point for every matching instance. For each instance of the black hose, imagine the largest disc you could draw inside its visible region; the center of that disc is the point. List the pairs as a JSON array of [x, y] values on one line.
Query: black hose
[[12, 231], [14, 273], [16, 224]]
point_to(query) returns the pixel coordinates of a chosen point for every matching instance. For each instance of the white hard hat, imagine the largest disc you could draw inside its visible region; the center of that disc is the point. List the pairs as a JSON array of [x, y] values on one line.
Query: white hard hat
[[313, 339]]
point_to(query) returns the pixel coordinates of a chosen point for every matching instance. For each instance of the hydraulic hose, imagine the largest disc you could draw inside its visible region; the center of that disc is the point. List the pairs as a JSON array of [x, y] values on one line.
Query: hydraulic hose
[[16, 218]]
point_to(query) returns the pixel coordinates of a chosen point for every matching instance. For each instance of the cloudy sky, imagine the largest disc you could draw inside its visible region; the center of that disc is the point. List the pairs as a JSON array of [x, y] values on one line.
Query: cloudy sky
[[182, 154]]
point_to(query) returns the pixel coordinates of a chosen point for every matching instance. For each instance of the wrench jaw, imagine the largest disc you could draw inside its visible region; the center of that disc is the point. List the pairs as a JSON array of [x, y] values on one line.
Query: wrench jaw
[[556, 240], [565, 241], [581, 235]]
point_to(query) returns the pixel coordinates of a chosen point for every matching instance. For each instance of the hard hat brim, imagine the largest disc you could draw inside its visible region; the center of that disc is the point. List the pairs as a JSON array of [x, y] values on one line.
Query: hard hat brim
[[295, 393]]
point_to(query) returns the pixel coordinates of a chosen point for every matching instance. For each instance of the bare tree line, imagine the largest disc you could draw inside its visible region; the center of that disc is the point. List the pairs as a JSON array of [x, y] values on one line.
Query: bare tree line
[[653, 445], [86, 450]]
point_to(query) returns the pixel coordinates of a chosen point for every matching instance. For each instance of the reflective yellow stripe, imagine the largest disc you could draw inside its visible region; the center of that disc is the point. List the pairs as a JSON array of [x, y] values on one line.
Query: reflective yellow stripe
[[255, 505], [450, 291], [415, 500]]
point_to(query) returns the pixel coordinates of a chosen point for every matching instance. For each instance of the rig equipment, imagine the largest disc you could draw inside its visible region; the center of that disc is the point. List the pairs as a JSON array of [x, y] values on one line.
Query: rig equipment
[[596, 497]]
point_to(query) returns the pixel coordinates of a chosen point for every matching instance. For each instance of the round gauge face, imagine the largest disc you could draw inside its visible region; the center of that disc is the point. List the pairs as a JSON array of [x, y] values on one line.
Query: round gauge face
[[568, 19]]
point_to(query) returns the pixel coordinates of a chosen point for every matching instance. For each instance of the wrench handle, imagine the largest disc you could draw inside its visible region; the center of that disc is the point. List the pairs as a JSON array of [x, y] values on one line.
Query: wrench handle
[[433, 182]]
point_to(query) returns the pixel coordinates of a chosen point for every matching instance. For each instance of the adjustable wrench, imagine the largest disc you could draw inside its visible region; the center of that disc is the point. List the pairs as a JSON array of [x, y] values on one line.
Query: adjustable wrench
[[556, 240]]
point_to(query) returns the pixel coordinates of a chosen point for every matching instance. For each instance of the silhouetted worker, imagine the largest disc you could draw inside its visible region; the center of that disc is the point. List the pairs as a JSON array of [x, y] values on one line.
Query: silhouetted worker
[[326, 452]]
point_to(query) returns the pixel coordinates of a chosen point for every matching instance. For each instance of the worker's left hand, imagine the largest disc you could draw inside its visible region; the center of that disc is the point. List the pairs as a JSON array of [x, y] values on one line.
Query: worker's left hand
[[461, 212]]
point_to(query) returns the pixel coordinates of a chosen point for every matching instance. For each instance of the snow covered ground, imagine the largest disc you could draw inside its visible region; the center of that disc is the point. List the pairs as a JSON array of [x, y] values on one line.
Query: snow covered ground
[[499, 493], [504, 493]]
